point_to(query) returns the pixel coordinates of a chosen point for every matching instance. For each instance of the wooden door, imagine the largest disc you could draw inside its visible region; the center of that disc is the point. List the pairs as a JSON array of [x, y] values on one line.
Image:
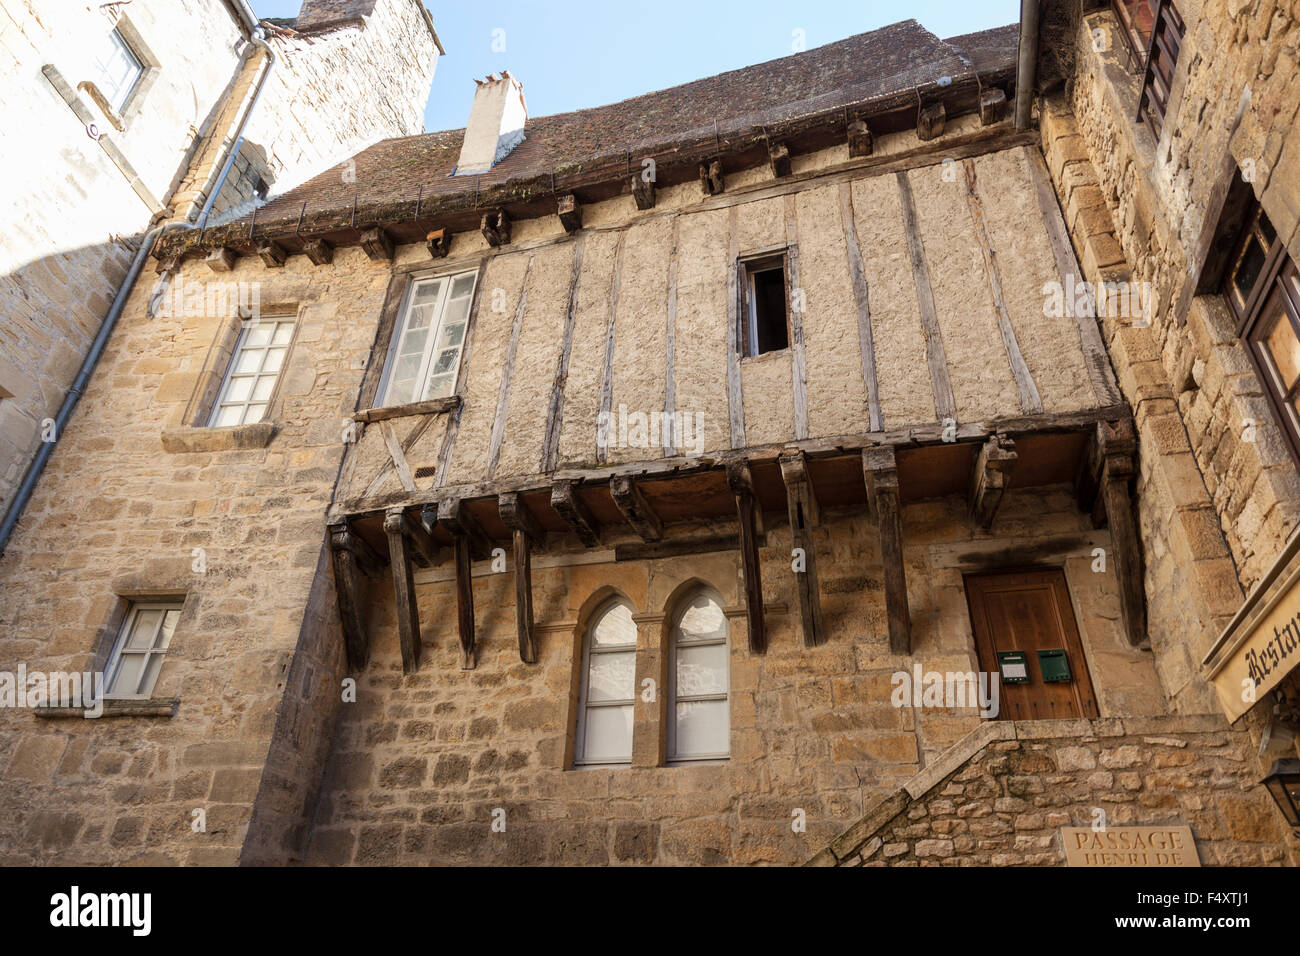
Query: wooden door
[[1030, 611]]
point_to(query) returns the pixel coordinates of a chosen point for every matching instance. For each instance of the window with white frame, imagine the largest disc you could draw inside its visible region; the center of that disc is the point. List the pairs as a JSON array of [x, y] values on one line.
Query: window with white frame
[[254, 370], [427, 344], [117, 70], [136, 659], [608, 687], [699, 723]]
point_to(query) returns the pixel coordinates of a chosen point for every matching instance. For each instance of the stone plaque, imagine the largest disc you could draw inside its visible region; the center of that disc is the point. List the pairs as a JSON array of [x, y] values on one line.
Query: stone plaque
[[1171, 845]]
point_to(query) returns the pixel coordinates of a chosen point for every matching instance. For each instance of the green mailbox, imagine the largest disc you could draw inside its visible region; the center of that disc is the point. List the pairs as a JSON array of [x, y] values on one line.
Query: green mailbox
[[1014, 667], [1054, 666]]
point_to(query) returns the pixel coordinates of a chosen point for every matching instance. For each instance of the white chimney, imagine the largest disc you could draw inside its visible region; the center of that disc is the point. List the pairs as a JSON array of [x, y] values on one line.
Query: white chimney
[[496, 124]]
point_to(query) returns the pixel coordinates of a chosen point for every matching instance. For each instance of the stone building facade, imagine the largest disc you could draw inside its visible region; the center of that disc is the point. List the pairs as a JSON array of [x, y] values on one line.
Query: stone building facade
[[112, 126], [682, 488]]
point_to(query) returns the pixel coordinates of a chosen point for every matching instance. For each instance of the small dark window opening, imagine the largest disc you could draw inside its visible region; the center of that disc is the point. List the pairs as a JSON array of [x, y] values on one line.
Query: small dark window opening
[[765, 317], [260, 188], [1262, 287]]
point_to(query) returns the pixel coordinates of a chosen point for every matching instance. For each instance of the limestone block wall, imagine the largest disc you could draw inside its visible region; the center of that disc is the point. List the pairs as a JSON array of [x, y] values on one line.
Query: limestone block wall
[[420, 762], [130, 493], [68, 209], [1001, 797], [1156, 194]]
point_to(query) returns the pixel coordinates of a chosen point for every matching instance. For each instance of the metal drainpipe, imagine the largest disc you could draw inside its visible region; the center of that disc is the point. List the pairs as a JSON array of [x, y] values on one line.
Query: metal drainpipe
[[1028, 62], [37, 465]]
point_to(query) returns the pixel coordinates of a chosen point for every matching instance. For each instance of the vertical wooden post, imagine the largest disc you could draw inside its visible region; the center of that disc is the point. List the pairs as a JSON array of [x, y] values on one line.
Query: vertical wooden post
[[350, 557], [880, 470], [1117, 442], [742, 489], [525, 532], [801, 504], [408, 611]]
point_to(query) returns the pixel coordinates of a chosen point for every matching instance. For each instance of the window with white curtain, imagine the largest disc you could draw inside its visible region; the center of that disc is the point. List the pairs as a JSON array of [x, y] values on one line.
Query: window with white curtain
[[608, 687], [699, 719], [427, 345]]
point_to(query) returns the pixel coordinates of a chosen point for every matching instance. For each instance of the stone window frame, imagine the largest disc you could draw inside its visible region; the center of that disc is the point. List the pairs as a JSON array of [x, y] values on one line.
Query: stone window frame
[[129, 618], [241, 343], [150, 65], [1278, 275], [676, 608], [597, 613]]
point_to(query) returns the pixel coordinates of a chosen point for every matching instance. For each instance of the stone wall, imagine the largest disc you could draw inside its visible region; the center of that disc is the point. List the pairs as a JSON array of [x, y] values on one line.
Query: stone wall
[[420, 762], [1001, 797]]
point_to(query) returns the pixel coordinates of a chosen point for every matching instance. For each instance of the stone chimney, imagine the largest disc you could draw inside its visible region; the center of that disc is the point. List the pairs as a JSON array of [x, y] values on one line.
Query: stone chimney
[[496, 124]]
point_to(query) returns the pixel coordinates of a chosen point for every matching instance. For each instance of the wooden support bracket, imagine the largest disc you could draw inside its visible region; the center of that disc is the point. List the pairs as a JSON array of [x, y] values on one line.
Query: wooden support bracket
[[570, 212], [801, 504], [320, 252], [496, 227], [526, 534], [859, 139], [990, 478], [635, 509], [778, 155], [453, 517], [376, 244], [711, 179], [272, 254], [643, 191], [930, 121], [1117, 443], [993, 105], [397, 527], [565, 501], [221, 259], [350, 558], [741, 483], [438, 242], [880, 469]]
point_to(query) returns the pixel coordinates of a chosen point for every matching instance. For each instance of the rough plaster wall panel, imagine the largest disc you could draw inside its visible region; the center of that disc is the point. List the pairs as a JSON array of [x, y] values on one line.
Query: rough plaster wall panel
[[1050, 345], [535, 360], [906, 393], [587, 352], [700, 344], [761, 224], [837, 394], [982, 383], [769, 399], [640, 335], [502, 285]]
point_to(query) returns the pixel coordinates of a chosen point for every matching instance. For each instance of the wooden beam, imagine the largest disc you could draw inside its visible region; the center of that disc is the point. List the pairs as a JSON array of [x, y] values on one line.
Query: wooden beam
[[735, 381], [221, 259], [990, 478], [711, 179], [555, 411], [495, 227], [1030, 402], [993, 105], [643, 191], [272, 254], [742, 489], [426, 549], [1117, 442], [680, 547], [945, 406], [350, 557], [438, 242], [859, 139], [569, 506], [376, 244], [526, 534], [320, 252], [778, 154], [801, 505], [635, 509], [866, 340], [880, 470], [930, 121], [570, 213], [408, 611], [454, 518]]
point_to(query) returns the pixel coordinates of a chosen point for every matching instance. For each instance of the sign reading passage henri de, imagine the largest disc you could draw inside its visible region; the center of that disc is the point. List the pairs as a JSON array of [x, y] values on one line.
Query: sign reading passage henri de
[[1129, 846]]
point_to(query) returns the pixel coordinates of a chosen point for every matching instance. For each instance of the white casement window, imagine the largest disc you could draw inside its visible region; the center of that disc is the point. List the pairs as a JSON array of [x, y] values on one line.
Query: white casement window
[[426, 352], [117, 70], [254, 370], [608, 687], [136, 659], [699, 724]]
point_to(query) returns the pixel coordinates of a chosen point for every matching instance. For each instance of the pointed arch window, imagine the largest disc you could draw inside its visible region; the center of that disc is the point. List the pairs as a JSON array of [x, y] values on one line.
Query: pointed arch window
[[608, 687], [699, 720]]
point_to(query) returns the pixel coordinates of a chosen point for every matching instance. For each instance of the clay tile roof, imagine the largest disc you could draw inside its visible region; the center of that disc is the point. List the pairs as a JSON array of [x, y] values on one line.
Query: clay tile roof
[[989, 50]]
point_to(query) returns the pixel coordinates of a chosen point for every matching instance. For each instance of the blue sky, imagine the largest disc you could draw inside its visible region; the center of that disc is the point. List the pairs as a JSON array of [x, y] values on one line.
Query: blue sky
[[571, 55]]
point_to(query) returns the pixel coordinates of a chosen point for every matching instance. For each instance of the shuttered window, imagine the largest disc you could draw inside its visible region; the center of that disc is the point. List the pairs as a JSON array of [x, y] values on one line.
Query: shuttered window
[[1165, 32]]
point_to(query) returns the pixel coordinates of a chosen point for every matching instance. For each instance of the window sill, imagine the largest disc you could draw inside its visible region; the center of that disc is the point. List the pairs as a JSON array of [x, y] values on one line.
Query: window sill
[[433, 406], [225, 438], [157, 707], [764, 357]]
